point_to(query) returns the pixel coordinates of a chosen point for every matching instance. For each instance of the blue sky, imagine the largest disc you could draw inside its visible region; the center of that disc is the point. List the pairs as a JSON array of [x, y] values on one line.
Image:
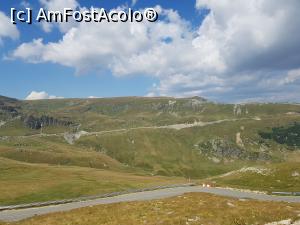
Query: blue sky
[[216, 49]]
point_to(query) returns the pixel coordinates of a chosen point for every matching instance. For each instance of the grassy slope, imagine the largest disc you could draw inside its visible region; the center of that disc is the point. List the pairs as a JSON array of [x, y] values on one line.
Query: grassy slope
[[24, 183], [164, 152], [281, 178], [187, 209], [177, 152], [55, 151]]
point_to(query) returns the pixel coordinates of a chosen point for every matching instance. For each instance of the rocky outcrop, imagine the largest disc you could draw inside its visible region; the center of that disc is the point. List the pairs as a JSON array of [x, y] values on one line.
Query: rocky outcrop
[[223, 149], [155, 104], [260, 171], [238, 140], [9, 107], [72, 137], [240, 109], [220, 148], [2, 123], [285, 222], [39, 122]]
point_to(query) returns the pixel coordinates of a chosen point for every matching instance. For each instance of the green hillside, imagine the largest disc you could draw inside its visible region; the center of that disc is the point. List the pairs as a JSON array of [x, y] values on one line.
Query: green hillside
[[190, 138]]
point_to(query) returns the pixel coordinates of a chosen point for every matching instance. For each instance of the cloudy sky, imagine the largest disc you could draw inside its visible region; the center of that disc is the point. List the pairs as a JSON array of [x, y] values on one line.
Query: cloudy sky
[[224, 50]]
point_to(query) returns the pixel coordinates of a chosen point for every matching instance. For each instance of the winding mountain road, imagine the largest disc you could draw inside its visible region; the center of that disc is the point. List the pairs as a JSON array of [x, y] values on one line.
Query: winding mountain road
[[171, 126], [20, 214]]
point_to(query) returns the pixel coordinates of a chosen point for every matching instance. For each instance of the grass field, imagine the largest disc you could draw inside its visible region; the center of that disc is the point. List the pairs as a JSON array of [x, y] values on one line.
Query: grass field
[[188, 209], [25, 183], [275, 177]]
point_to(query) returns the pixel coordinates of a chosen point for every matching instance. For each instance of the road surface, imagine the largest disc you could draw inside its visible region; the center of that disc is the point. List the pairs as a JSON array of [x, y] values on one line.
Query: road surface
[[20, 214]]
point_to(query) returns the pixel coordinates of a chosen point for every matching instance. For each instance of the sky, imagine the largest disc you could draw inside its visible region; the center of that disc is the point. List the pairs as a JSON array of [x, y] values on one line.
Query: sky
[[223, 50]]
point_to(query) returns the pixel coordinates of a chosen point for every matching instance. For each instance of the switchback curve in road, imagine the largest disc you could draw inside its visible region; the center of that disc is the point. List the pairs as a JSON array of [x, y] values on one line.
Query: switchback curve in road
[[20, 214]]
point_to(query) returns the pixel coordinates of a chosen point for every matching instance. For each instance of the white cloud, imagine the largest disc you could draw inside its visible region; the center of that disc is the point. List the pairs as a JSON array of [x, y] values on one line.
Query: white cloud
[[133, 2], [46, 27], [150, 94], [252, 34], [33, 51], [119, 47], [8, 30], [93, 97], [58, 5], [34, 95], [25, 4], [291, 77], [237, 51]]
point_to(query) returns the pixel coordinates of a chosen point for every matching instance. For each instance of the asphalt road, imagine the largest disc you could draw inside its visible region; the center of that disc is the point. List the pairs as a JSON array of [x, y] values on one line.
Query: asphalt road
[[20, 214]]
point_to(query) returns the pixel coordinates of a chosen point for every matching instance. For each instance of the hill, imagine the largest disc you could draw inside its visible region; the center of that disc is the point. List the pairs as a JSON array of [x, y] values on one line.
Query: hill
[[182, 137]]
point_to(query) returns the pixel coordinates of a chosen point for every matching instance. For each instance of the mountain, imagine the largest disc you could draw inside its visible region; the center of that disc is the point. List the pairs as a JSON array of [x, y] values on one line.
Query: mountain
[[183, 137]]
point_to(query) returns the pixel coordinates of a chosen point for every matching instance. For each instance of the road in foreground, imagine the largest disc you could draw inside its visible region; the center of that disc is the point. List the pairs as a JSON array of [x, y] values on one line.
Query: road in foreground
[[16, 215]]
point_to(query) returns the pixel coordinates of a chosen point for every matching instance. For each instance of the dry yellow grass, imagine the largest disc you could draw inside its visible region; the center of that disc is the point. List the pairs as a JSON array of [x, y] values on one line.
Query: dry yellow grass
[[25, 182], [188, 209]]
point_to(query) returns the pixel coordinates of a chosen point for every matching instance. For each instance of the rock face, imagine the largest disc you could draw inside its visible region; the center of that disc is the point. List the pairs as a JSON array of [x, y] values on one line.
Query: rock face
[[159, 105], [285, 222], [72, 137], [38, 122], [295, 174], [261, 171], [240, 109], [9, 107], [239, 140], [2, 123], [223, 149], [220, 149]]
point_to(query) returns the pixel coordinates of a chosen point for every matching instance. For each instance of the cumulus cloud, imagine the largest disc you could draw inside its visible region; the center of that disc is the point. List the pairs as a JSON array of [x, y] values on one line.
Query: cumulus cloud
[[239, 50], [35, 95], [110, 46], [33, 51], [58, 5], [8, 30], [258, 32]]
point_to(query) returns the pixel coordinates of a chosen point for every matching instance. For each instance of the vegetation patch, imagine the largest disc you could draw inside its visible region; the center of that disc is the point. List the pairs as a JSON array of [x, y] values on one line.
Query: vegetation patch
[[289, 135]]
